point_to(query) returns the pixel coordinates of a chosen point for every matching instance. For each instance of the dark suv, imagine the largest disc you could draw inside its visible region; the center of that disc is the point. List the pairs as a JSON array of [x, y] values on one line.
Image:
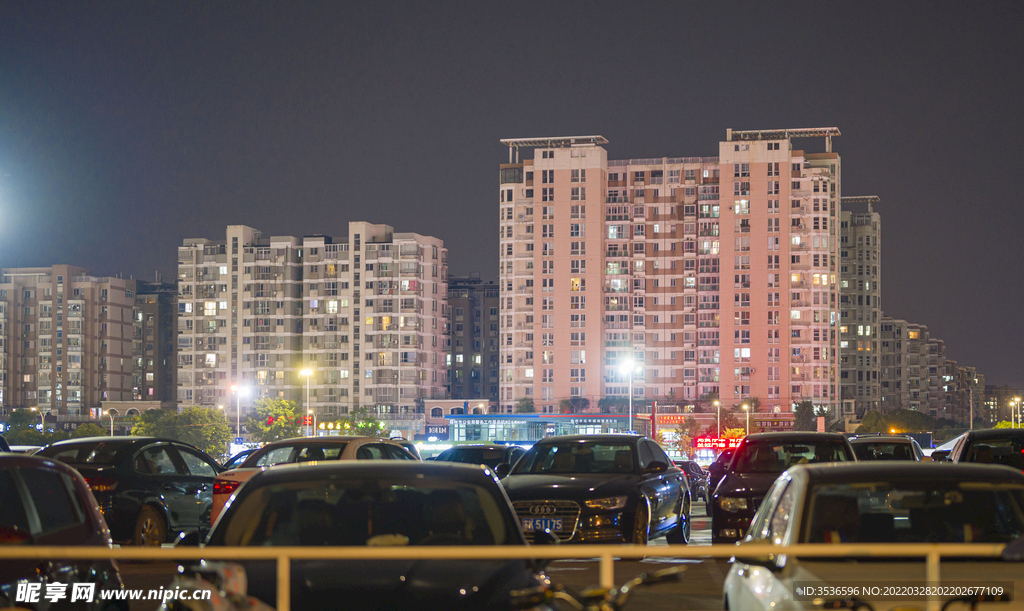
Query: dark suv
[[491, 455], [150, 490], [757, 462], [993, 446]]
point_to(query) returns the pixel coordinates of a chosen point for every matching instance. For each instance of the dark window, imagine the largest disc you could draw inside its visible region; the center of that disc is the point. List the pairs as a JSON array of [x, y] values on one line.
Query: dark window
[[12, 512], [196, 465], [54, 504]]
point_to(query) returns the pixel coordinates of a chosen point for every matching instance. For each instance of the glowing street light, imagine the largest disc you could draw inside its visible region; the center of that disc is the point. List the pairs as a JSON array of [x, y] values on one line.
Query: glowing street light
[[718, 418], [630, 366], [746, 408], [239, 391], [308, 373]]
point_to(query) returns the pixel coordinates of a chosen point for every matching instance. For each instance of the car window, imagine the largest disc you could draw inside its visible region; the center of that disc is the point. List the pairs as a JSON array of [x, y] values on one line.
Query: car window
[[1009, 452], [884, 450], [758, 530], [577, 457], [659, 453], [776, 457], [646, 457], [98, 453], [397, 453], [372, 451], [56, 507], [156, 460], [783, 516], [273, 457], [195, 463], [516, 453], [12, 511]]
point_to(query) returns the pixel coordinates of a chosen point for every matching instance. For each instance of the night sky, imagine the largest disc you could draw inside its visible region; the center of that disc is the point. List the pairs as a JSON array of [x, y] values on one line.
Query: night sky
[[128, 126]]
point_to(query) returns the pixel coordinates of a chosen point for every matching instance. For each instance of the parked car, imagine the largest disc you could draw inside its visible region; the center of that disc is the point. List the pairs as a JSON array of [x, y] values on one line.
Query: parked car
[[886, 447], [303, 449], [697, 478], [4, 446], [20, 449], [875, 502], [758, 460], [491, 455], [600, 489], [150, 490], [993, 446], [364, 503], [717, 469], [45, 502], [408, 445], [237, 459]]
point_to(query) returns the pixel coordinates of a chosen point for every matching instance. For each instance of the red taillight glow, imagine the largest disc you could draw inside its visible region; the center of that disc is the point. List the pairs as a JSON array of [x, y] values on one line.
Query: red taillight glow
[[100, 483], [225, 486]]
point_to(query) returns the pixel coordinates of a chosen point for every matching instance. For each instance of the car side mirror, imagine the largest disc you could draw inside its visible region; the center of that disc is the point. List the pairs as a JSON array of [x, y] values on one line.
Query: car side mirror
[[940, 456], [502, 469], [190, 539], [656, 466], [772, 562]]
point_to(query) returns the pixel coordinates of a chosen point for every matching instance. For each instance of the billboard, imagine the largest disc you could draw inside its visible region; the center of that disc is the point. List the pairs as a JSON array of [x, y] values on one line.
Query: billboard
[[715, 443]]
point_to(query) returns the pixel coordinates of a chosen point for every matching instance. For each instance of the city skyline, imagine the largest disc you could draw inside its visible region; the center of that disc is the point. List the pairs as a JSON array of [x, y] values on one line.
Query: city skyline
[[130, 128]]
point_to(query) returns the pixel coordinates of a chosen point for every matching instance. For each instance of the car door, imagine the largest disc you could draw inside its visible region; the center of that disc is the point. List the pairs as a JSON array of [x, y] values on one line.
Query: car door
[[166, 477], [201, 473], [656, 488]]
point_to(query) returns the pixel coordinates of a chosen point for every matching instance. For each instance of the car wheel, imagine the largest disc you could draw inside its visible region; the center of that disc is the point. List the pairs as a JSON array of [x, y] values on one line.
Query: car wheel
[[680, 535], [642, 522], [150, 529]]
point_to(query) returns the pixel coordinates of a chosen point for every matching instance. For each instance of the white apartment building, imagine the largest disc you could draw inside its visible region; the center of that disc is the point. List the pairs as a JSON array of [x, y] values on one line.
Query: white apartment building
[[363, 314], [861, 306]]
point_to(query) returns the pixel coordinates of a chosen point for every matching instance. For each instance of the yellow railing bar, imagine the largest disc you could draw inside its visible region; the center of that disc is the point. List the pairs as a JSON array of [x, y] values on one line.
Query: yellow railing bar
[[605, 554]]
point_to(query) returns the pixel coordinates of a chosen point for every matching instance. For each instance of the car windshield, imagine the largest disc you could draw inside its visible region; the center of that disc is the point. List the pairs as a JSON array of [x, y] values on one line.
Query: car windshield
[[95, 453], [371, 511], [883, 450], [577, 457], [289, 453], [492, 457], [930, 511], [776, 457], [1009, 452]]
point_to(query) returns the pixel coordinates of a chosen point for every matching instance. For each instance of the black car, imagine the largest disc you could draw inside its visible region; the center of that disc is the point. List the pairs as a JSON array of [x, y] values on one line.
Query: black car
[[886, 447], [697, 477], [755, 465], [43, 502], [491, 455], [378, 503], [600, 489], [150, 490], [717, 469], [993, 446]]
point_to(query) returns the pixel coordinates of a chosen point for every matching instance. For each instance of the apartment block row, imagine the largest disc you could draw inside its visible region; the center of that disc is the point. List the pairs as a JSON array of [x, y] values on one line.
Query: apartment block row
[[681, 278], [362, 315]]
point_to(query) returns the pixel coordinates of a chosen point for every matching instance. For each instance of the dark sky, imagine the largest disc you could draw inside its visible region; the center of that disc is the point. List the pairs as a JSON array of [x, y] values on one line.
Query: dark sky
[[128, 126]]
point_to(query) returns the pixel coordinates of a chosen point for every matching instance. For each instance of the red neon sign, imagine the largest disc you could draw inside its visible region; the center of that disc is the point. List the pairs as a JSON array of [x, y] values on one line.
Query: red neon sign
[[714, 443]]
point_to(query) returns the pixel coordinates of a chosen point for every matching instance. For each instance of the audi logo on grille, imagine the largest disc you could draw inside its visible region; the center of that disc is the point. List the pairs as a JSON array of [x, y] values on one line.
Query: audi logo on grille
[[543, 510]]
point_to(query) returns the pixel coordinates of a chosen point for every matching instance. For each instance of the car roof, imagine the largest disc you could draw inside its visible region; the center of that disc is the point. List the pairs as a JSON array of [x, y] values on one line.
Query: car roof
[[321, 440], [795, 436], [372, 468], [876, 438], [483, 446], [997, 434], [851, 472], [127, 440], [29, 461]]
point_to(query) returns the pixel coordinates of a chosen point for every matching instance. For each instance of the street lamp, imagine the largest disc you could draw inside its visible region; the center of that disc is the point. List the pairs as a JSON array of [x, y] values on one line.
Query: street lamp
[[311, 413], [746, 408], [308, 373], [42, 421], [1016, 400], [110, 413], [718, 419], [239, 391], [630, 366]]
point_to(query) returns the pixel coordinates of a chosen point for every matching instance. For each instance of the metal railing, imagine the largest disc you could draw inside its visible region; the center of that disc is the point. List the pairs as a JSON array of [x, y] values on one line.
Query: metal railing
[[606, 555]]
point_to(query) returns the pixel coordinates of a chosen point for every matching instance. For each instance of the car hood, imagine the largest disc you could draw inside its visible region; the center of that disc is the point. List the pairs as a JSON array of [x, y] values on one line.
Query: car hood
[[424, 585], [746, 484], [572, 486]]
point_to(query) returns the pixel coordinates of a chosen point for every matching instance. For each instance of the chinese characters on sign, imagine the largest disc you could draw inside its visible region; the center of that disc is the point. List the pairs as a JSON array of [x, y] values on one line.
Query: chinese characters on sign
[[714, 443]]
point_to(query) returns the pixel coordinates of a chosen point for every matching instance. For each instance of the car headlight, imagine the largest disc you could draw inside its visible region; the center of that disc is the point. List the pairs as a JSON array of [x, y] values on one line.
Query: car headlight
[[612, 502], [731, 503]]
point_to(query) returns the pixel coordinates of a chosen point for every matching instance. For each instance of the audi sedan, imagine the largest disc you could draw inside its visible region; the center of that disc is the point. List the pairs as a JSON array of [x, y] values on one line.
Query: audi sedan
[[600, 489]]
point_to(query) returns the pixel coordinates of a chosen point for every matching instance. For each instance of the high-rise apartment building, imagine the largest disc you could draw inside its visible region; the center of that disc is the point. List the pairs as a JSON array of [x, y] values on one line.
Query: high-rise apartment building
[[860, 289], [65, 339], [605, 263], [154, 367], [912, 368], [473, 331], [363, 314]]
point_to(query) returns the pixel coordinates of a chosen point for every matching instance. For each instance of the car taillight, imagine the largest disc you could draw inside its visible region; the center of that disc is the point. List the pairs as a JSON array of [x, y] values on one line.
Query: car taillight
[[225, 487], [101, 483]]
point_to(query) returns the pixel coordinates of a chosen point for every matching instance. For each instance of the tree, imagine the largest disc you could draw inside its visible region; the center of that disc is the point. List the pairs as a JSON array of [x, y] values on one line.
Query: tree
[[150, 423], [361, 421], [872, 422], [573, 405], [205, 428], [729, 421], [686, 431], [1004, 424], [524, 406], [22, 430], [909, 421], [823, 412], [275, 419], [89, 429], [736, 433], [803, 417]]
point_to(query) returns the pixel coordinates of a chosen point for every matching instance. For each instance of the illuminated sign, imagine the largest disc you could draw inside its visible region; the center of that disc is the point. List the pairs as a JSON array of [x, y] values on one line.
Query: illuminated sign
[[714, 443]]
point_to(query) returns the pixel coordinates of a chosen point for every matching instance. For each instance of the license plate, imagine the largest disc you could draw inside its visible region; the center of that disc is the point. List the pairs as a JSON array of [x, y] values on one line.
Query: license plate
[[539, 524]]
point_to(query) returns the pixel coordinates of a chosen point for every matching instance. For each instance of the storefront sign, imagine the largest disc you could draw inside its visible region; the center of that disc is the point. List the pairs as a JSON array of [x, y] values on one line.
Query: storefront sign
[[714, 443]]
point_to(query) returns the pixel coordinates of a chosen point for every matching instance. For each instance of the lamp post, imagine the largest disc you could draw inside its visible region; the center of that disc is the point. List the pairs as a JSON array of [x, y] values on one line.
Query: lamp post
[[238, 390], [718, 419], [631, 366], [42, 419], [746, 408], [110, 413], [307, 373], [1016, 411], [311, 413]]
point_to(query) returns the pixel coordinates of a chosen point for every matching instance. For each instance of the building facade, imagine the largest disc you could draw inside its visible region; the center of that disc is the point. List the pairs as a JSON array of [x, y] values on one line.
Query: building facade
[[860, 291], [154, 343], [473, 335], [362, 316], [645, 276], [66, 340]]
